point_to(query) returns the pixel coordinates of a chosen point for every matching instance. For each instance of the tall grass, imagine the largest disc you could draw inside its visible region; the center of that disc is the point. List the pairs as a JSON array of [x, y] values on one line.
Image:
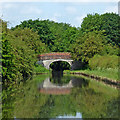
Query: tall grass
[[108, 73], [103, 62]]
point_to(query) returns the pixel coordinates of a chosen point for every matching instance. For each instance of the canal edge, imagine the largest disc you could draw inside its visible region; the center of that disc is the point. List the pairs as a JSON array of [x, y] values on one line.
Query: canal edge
[[99, 78]]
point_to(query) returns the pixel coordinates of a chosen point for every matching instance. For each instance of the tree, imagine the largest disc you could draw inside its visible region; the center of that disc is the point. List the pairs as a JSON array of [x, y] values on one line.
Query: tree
[[108, 23], [19, 49], [8, 66], [57, 36], [87, 46], [41, 27], [31, 39]]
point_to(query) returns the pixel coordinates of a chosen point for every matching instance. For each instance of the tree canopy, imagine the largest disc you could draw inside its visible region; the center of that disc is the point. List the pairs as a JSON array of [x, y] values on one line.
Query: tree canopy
[[57, 36], [87, 46], [19, 49], [108, 23]]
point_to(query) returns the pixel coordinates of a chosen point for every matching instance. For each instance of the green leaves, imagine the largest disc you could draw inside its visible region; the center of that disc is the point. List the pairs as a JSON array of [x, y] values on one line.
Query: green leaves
[[56, 36], [108, 22], [104, 62], [20, 47], [91, 44]]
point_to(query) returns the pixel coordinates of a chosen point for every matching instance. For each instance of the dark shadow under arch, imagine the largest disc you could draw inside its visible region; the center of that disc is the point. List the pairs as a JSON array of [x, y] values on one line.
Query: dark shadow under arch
[[60, 65]]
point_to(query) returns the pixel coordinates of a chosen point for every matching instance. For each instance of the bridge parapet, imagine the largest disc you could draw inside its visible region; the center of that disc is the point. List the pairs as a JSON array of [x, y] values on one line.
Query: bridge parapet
[[50, 56]]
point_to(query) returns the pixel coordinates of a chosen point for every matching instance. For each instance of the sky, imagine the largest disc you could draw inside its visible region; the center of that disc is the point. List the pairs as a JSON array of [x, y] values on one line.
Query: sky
[[69, 11]]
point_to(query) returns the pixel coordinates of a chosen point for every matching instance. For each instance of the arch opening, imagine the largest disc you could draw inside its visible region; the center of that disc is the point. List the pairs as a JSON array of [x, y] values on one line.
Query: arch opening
[[60, 66]]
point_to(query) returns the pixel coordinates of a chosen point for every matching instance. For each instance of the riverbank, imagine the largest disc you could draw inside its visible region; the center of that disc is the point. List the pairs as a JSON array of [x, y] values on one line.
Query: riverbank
[[107, 76]]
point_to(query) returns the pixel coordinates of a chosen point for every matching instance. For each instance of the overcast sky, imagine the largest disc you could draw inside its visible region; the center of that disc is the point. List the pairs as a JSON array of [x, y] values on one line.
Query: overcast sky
[[71, 11]]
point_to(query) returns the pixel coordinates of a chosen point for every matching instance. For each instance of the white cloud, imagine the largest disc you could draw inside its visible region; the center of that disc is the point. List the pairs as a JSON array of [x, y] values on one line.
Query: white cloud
[[113, 9], [79, 19], [59, 0], [71, 10], [55, 17], [9, 5], [0, 10], [31, 10]]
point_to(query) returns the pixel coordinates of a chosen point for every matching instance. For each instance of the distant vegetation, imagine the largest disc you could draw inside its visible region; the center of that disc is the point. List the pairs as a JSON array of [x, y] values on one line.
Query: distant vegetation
[[104, 62], [99, 34]]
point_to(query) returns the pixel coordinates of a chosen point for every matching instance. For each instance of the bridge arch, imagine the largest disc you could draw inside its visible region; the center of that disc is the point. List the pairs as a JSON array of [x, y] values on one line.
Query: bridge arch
[[47, 58], [47, 63]]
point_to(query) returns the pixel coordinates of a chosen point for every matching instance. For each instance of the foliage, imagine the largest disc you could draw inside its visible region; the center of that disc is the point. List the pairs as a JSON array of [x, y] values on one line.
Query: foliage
[[57, 36], [110, 49], [87, 46], [40, 26], [18, 54], [8, 66], [103, 62], [31, 39], [40, 69], [108, 23], [24, 56]]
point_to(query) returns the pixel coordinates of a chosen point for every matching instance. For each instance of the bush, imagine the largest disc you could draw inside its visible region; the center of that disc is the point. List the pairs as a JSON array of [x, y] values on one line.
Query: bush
[[103, 62], [40, 69]]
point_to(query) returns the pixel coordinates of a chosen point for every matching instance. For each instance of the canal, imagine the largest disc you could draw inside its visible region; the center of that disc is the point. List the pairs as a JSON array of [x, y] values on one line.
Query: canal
[[60, 96]]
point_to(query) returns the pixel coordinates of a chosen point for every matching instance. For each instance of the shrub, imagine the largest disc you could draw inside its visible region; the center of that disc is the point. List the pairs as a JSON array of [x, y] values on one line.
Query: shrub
[[40, 69], [103, 62]]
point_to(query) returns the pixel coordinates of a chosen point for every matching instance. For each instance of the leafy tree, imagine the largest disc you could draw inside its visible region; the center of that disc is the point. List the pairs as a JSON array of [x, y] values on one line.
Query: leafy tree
[[91, 23], [87, 46], [108, 23], [18, 54], [8, 66], [57, 36], [64, 36], [41, 27], [31, 39]]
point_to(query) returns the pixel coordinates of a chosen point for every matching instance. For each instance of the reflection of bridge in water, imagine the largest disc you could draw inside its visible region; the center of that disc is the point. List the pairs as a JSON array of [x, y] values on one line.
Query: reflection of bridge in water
[[49, 88]]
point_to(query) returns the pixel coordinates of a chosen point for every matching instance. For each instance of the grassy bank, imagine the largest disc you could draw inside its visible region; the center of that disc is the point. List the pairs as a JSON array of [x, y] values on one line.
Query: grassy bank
[[108, 73], [39, 69]]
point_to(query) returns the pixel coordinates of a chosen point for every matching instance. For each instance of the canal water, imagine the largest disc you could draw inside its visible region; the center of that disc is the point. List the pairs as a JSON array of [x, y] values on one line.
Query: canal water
[[60, 96]]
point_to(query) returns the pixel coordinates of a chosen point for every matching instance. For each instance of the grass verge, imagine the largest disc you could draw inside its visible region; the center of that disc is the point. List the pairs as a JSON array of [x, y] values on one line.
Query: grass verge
[[108, 73]]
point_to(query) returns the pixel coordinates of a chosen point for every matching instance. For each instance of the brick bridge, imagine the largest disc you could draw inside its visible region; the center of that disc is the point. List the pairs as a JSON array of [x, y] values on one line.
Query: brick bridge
[[48, 58]]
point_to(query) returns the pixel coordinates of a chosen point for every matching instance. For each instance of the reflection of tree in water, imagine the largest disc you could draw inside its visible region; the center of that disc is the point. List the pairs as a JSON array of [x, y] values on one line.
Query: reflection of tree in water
[[58, 105], [57, 77], [93, 103], [79, 82], [90, 101], [113, 108], [8, 103]]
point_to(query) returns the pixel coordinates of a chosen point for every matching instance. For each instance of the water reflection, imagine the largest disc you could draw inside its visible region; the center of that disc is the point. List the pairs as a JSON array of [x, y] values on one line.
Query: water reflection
[[87, 99], [58, 84], [57, 77], [78, 115]]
